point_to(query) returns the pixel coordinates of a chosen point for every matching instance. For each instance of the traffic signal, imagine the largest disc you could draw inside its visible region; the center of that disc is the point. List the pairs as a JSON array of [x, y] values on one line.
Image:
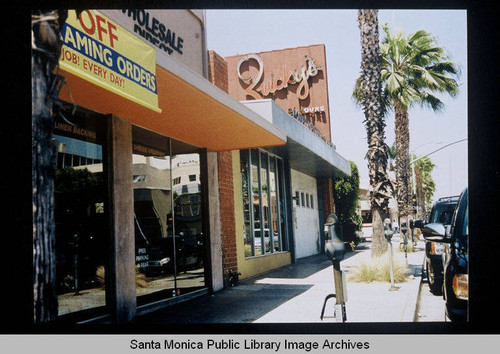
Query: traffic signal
[[414, 200]]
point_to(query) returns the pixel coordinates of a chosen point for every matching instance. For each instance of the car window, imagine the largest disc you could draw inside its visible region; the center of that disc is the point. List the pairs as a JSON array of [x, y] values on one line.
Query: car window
[[465, 226], [442, 213]]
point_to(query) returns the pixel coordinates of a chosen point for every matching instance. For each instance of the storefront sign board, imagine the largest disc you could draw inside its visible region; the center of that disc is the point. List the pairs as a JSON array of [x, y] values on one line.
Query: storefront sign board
[[98, 50]]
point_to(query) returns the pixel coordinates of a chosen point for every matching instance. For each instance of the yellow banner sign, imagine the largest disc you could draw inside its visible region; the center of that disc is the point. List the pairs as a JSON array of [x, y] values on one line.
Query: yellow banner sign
[[100, 51]]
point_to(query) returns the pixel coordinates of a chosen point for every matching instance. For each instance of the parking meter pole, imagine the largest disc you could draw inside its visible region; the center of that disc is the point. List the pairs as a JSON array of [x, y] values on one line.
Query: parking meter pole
[[388, 233], [391, 268], [340, 313], [335, 250]]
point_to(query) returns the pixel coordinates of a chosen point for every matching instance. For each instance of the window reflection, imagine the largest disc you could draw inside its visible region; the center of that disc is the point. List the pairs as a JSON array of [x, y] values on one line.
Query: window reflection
[[154, 245], [188, 223], [256, 203], [247, 236], [80, 225], [274, 205], [268, 204], [265, 201], [170, 243]]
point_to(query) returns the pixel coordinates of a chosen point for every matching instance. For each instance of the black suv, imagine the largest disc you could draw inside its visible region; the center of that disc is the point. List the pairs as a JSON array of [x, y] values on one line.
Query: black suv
[[456, 258], [442, 212]]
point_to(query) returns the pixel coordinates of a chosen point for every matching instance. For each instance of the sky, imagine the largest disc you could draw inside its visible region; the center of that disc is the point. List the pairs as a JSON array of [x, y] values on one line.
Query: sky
[[231, 32]]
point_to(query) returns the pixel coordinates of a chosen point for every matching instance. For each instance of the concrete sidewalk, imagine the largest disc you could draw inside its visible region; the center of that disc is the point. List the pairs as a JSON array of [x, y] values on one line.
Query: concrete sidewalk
[[296, 293]]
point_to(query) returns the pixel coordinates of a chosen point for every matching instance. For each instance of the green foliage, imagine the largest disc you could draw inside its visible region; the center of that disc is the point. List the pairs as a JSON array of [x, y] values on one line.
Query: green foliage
[[71, 180], [425, 167], [346, 195], [413, 68], [80, 187]]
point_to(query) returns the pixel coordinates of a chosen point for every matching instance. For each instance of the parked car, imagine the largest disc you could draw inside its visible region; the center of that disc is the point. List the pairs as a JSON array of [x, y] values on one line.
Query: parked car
[[442, 212], [455, 257]]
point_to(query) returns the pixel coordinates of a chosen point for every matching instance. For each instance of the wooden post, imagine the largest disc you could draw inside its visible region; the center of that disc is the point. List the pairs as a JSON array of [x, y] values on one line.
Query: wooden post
[[122, 292]]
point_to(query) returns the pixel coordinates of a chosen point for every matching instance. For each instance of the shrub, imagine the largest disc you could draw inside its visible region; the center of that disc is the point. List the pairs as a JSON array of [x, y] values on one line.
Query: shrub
[[346, 195], [378, 270]]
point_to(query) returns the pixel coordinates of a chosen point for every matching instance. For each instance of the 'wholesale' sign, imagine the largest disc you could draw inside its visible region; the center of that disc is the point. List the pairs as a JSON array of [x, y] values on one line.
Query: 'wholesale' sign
[[100, 51]]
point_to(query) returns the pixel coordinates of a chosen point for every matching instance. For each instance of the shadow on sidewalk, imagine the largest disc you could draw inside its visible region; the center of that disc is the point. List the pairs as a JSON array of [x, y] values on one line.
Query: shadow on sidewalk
[[250, 299], [239, 304]]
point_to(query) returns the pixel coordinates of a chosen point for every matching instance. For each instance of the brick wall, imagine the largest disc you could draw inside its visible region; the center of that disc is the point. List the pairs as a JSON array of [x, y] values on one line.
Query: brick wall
[[218, 70], [218, 77], [329, 203]]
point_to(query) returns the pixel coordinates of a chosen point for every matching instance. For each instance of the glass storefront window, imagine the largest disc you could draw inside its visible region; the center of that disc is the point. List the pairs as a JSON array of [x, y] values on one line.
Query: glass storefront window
[[80, 220], [273, 195], [265, 201], [264, 222], [247, 236], [170, 242], [280, 179], [188, 226], [256, 203]]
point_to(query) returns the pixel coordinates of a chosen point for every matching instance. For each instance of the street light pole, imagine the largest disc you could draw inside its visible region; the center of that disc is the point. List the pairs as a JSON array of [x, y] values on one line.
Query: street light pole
[[441, 148]]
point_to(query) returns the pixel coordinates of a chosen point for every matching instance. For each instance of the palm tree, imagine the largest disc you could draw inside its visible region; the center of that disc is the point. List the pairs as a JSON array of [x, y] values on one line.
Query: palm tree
[[368, 94], [413, 68], [45, 51], [425, 185]]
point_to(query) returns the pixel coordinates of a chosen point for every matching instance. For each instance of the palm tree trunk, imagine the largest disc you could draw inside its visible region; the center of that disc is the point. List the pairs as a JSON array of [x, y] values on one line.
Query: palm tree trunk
[[45, 299], [402, 134], [381, 188], [46, 47], [420, 194]]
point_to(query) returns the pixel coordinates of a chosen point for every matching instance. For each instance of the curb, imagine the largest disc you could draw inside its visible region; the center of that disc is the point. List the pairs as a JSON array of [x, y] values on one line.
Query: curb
[[410, 312]]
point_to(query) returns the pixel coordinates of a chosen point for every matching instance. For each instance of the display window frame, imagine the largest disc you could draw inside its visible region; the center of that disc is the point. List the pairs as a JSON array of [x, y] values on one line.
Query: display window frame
[[148, 143], [77, 123], [278, 231]]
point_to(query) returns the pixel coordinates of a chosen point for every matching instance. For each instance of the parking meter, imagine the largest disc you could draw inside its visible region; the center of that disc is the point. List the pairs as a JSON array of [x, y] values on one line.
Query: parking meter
[[334, 245], [404, 230], [412, 227], [335, 250], [388, 232]]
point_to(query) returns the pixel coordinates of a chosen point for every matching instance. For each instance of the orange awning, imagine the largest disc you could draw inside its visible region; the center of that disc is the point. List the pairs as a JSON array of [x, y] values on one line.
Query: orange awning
[[192, 110]]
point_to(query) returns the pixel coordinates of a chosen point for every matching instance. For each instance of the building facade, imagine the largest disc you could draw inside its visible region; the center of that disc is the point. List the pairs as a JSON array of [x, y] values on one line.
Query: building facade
[[282, 195], [168, 180], [137, 197]]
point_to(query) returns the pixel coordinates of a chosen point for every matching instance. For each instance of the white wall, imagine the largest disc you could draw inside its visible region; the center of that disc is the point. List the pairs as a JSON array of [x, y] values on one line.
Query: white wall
[[305, 219]]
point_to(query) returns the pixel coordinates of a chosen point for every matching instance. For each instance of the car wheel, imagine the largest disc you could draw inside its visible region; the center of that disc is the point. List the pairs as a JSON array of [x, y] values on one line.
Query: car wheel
[[434, 285]]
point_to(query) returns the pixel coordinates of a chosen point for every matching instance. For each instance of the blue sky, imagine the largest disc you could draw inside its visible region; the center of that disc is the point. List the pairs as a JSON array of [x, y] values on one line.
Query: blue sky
[[231, 32]]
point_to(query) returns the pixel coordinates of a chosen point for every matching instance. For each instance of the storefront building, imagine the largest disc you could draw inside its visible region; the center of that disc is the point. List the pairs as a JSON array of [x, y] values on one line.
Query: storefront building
[[281, 195], [140, 219]]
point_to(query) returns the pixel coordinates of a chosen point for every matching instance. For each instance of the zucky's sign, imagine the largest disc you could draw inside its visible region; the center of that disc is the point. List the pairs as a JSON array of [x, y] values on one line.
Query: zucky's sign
[[280, 81]]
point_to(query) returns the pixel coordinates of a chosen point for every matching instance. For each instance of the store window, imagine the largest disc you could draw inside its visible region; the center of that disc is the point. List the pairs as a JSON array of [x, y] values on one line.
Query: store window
[[170, 245], [263, 203], [80, 219]]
